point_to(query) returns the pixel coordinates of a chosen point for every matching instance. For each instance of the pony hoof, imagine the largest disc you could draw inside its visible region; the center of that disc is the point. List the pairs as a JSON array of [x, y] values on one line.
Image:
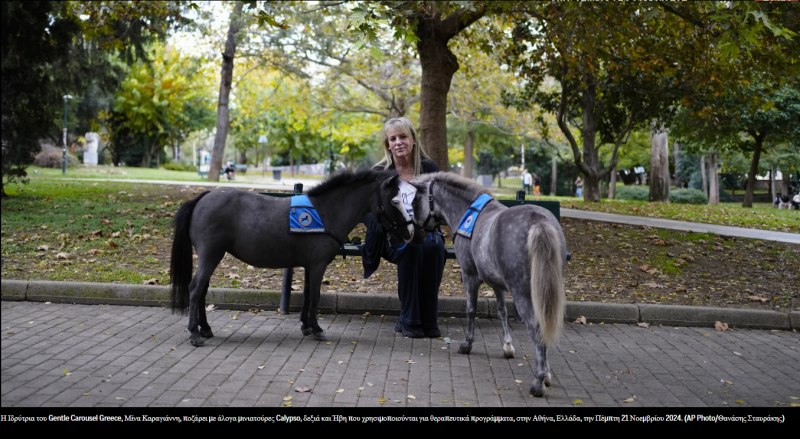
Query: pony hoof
[[196, 342], [464, 348], [508, 351], [537, 389], [307, 331], [548, 380], [320, 336], [206, 333]]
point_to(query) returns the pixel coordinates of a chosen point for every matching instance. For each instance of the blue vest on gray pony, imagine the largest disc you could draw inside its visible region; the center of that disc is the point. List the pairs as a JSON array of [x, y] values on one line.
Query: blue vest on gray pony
[[303, 217]]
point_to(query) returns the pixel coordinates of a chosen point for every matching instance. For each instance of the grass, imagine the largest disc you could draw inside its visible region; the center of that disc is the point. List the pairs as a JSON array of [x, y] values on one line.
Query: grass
[[134, 173]]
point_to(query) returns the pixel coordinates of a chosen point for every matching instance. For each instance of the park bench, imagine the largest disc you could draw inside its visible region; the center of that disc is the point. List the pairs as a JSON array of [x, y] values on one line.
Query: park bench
[[352, 250], [240, 168]]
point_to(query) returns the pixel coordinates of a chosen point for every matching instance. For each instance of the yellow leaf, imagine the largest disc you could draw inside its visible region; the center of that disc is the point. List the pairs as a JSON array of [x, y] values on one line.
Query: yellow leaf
[[86, 394], [288, 398], [412, 397], [631, 399], [340, 391], [577, 401], [739, 401], [518, 381], [382, 400]]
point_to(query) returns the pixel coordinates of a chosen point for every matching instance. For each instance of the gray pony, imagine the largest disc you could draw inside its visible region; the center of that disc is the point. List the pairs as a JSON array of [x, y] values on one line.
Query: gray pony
[[520, 249]]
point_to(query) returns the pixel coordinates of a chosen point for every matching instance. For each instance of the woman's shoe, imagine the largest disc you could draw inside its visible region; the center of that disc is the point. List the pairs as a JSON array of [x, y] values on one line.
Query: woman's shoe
[[432, 332], [409, 331]]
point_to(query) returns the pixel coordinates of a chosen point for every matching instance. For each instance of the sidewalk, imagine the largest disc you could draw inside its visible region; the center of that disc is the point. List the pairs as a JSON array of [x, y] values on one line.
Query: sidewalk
[[60, 355]]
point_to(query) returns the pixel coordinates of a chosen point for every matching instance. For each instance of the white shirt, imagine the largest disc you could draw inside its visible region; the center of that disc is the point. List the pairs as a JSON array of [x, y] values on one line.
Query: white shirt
[[407, 194]]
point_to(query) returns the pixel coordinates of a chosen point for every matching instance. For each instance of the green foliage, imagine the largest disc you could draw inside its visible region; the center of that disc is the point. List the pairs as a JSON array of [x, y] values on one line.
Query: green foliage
[[159, 103], [687, 196], [638, 193], [177, 166]]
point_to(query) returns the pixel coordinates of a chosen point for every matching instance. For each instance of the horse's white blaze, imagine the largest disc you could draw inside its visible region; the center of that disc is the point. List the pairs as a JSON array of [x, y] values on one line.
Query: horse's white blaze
[[398, 204]]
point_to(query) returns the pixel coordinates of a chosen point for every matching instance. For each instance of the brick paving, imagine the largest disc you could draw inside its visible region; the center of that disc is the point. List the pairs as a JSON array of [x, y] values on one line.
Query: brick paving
[[111, 356]]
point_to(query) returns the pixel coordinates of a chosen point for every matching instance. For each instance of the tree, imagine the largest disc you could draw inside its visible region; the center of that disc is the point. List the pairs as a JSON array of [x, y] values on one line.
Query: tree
[[747, 117], [659, 165], [159, 102]]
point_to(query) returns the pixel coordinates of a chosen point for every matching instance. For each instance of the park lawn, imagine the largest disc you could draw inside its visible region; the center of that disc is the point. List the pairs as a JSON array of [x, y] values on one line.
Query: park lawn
[[111, 172], [114, 232]]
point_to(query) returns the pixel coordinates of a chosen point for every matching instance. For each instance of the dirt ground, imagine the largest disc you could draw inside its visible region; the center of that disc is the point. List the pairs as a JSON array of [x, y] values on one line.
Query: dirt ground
[[611, 263]]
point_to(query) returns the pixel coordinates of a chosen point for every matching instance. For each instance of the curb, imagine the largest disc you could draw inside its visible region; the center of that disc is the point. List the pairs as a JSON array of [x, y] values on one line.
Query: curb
[[90, 293]]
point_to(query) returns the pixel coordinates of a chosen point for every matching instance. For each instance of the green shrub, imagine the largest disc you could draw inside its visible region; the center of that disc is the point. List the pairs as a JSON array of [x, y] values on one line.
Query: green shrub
[[687, 196], [178, 166], [637, 193]]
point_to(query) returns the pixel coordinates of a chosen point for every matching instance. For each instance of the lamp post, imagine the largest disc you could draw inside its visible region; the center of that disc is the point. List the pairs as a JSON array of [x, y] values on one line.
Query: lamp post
[[64, 152]]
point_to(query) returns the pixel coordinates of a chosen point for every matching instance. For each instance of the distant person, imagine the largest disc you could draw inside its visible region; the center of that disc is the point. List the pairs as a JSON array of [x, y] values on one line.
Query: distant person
[[527, 180], [579, 186], [536, 184], [230, 171], [783, 202], [796, 201]]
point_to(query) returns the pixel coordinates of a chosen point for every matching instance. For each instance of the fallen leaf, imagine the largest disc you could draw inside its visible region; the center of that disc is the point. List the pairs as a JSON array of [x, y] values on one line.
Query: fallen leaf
[[43, 248], [382, 400], [210, 308], [412, 397], [119, 398], [653, 285], [581, 320], [63, 255], [739, 401], [643, 324], [631, 399], [67, 373], [287, 398], [737, 353], [721, 326], [152, 281], [794, 404], [518, 381], [340, 391], [261, 367], [645, 267], [577, 401], [794, 397], [756, 299], [370, 384], [411, 362]]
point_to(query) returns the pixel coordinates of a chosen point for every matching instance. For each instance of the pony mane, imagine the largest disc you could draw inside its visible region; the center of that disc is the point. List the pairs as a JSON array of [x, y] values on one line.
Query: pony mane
[[467, 188], [346, 177]]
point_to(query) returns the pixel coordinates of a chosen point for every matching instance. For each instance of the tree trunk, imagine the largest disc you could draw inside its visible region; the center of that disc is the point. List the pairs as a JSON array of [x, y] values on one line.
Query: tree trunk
[[553, 177], [751, 178], [785, 183], [612, 187], [659, 166], [242, 157], [713, 192], [703, 173], [676, 153], [223, 117], [772, 183], [439, 65], [467, 170]]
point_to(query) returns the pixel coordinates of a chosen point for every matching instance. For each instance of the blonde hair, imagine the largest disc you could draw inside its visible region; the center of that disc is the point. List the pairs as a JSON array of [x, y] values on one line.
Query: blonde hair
[[404, 126]]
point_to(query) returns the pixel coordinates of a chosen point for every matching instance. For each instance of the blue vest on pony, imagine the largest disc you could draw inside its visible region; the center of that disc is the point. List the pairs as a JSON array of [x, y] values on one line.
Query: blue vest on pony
[[471, 216], [303, 217]]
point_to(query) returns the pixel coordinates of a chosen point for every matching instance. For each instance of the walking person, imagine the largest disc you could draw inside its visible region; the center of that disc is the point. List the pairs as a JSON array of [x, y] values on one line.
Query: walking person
[[527, 180], [419, 266], [536, 184], [579, 186]]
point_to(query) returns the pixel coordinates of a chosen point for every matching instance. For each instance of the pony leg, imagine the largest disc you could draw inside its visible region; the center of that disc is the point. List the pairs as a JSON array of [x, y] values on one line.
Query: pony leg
[[314, 278], [541, 376], [471, 286], [197, 292], [502, 315], [307, 330], [205, 328]]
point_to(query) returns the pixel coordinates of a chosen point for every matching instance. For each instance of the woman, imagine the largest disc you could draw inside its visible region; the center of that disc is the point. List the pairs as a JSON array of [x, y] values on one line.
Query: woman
[[579, 186], [419, 266]]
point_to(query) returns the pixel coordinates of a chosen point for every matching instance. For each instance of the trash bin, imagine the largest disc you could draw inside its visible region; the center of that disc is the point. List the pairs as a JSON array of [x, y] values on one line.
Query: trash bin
[[276, 174]]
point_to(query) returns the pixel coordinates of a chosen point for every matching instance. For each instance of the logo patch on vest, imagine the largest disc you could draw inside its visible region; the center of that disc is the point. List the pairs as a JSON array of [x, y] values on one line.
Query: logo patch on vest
[[303, 217], [471, 216]]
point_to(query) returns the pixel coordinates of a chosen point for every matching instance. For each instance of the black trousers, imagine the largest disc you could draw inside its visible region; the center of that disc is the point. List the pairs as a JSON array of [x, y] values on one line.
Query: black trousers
[[419, 271]]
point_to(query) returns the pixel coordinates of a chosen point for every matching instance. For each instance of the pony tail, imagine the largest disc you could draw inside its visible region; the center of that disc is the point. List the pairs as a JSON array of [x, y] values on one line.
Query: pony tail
[[546, 256], [181, 264]]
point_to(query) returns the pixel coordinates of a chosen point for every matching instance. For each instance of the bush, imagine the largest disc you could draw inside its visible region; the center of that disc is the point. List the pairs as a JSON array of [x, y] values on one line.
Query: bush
[[687, 196], [50, 157], [637, 193], [178, 166]]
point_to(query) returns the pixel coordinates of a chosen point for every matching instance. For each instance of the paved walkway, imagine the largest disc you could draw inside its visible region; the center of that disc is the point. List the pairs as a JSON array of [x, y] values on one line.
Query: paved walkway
[[741, 232], [106, 356]]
